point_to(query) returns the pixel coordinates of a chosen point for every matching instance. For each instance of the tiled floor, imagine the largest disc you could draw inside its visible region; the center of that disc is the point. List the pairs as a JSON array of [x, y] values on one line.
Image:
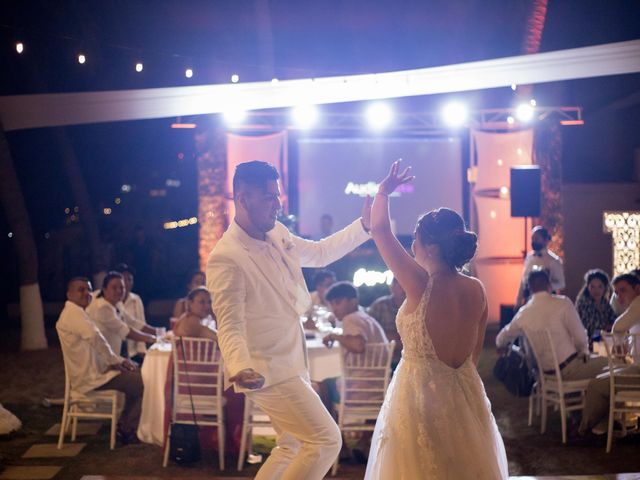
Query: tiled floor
[[29, 473], [49, 450]]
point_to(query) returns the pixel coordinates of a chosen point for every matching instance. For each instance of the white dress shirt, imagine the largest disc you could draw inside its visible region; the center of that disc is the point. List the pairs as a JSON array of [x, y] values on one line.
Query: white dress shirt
[[86, 352], [109, 321], [555, 313], [629, 321], [360, 323], [133, 315], [544, 259]]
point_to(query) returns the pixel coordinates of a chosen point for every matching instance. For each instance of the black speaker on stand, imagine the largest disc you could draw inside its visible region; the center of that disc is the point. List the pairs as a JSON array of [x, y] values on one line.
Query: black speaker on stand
[[525, 194]]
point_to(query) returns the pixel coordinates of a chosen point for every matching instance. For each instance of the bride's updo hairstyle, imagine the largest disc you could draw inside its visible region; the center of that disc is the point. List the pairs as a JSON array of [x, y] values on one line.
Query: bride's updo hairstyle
[[445, 228]]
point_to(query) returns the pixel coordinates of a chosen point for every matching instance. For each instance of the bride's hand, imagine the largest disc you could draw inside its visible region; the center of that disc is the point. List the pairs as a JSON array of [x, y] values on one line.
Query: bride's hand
[[393, 179]]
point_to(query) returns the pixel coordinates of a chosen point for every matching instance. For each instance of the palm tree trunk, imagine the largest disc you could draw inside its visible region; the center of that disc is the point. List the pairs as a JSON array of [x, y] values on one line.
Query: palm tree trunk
[[81, 197], [32, 318]]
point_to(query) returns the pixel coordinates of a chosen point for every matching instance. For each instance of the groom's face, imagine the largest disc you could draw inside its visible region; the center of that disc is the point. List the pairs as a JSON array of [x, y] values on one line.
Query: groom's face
[[263, 205]]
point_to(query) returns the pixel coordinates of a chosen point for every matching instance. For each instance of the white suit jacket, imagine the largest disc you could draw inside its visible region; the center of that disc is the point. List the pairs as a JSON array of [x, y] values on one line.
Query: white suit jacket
[[258, 314]]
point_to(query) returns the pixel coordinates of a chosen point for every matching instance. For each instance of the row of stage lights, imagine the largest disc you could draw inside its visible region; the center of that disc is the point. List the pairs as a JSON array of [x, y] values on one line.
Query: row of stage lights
[[380, 115]]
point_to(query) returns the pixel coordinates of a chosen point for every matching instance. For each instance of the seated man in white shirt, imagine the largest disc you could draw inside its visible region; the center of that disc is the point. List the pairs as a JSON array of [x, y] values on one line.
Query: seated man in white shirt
[[543, 258], [557, 314], [596, 411], [627, 288], [359, 329], [114, 324], [90, 361]]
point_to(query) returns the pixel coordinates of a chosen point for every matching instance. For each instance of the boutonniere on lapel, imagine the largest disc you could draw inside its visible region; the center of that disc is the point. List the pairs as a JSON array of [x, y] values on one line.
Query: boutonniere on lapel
[[287, 244]]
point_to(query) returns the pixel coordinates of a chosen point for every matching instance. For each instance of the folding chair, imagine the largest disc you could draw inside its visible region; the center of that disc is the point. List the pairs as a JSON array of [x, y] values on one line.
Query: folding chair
[[252, 417], [97, 404], [365, 378], [553, 390], [624, 379], [197, 377]]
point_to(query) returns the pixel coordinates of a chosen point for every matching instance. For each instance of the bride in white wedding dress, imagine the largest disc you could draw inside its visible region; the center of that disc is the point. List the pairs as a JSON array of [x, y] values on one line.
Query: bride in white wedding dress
[[436, 420]]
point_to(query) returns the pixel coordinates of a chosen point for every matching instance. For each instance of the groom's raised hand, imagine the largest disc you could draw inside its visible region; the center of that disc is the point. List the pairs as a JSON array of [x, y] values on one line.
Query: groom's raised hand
[[248, 378]]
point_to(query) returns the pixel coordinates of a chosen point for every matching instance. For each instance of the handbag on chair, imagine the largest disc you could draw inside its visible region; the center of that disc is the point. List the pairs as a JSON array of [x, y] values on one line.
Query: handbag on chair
[[512, 370], [185, 442]]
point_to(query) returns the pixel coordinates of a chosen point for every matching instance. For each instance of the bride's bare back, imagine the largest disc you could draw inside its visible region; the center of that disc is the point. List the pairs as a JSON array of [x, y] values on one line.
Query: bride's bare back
[[456, 318]]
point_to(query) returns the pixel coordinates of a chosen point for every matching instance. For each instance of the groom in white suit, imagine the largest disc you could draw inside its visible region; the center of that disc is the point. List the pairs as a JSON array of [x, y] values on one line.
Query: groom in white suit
[[255, 277]]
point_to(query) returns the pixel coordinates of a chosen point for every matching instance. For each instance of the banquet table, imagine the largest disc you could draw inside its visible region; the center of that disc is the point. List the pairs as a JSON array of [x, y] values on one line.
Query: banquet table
[[323, 363]]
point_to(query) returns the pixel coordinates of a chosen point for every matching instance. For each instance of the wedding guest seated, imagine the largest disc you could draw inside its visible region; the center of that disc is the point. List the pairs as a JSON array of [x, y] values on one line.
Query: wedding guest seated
[[107, 313], [91, 363], [322, 280], [614, 298], [358, 329], [134, 308], [556, 314], [190, 323], [592, 304], [384, 310], [196, 279], [627, 288], [596, 410]]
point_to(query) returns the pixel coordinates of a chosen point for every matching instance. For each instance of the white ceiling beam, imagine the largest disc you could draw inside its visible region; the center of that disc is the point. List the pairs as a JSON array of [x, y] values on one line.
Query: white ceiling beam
[[59, 109]]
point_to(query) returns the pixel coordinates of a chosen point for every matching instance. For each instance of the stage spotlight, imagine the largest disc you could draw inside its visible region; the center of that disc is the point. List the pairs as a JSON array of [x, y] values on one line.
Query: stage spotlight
[[82, 59], [188, 73], [524, 112], [379, 115], [305, 115], [234, 116], [510, 120], [454, 114], [139, 67], [19, 47], [235, 78]]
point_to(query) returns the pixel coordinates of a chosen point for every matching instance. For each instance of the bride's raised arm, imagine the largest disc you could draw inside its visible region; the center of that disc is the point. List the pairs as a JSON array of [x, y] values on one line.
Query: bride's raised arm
[[411, 276]]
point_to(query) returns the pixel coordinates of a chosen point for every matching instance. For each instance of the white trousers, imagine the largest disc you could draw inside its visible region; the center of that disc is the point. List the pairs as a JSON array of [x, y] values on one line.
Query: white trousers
[[308, 439]]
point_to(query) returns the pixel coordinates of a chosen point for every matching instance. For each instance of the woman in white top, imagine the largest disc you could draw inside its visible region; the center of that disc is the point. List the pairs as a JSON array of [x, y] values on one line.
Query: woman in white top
[[436, 420], [105, 312]]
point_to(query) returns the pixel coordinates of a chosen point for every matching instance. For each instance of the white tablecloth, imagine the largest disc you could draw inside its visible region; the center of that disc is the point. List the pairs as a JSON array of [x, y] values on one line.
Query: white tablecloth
[[323, 363], [154, 376]]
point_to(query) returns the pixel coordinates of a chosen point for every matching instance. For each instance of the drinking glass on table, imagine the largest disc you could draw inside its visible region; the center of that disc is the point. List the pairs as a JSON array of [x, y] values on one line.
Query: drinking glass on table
[[161, 332]]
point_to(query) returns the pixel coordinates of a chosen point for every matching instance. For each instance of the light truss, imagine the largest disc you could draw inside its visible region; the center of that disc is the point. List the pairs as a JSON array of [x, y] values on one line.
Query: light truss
[[430, 123]]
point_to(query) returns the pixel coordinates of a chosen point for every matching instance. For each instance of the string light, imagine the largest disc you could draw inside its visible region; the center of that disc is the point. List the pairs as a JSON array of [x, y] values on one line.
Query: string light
[[19, 47], [235, 78], [139, 67], [82, 59], [188, 73], [185, 222]]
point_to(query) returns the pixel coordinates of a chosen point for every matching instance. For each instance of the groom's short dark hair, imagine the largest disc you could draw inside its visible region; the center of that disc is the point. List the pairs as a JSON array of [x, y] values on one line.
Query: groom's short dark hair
[[254, 174], [341, 290]]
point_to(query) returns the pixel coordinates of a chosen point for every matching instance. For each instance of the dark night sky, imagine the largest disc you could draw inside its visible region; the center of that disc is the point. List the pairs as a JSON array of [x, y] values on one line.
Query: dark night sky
[[286, 39]]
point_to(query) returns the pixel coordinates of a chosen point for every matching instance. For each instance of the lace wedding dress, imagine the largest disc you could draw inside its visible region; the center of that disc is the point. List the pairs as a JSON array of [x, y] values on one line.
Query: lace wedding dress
[[436, 421]]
